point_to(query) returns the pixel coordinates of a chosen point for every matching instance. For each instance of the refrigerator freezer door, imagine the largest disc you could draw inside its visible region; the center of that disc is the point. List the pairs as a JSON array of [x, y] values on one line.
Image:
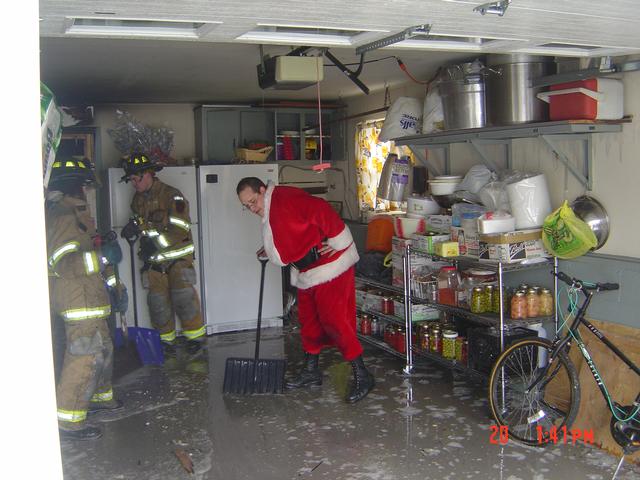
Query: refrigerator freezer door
[[230, 238], [121, 194]]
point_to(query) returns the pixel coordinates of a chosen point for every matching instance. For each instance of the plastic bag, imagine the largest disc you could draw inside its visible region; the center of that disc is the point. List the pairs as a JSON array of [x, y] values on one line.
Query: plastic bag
[[403, 118], [476, 178], [433, 114], [132, 137], [565, 235], [51, 128]]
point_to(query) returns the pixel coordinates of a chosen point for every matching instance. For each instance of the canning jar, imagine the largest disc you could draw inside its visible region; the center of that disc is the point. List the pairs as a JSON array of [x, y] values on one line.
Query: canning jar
[[533, 304], [375, 324], [448, 282], [435, 341], [401, 346], [489, 293], [546, 302], [449, 344], [424, 340], [519, 305], [365, 325], [459, 345], [387, 305], [477, 304]]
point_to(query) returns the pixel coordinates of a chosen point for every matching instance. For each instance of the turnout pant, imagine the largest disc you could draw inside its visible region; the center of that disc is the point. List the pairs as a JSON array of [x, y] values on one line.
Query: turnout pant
[[327, 314], [172, 293], [86, 371]]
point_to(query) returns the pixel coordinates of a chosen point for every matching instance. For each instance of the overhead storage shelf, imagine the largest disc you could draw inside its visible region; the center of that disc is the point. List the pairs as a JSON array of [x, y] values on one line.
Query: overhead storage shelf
[[547, 132]]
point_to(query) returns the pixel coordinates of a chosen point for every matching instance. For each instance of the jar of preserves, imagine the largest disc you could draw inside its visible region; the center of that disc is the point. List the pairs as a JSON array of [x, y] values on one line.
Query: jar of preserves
[[459, 344], [489, 291], [435, 341], [401, 346], [533, 304], [449, 344], [424, 340], [546, 302], [478, 300], [495, 299], [365, 325], [519, 305], [389, 335], [448, 282], [387, 305]]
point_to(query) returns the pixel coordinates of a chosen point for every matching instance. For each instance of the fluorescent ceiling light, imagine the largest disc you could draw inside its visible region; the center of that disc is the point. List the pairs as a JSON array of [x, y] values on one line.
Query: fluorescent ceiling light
[[137, 27], [307, 35]]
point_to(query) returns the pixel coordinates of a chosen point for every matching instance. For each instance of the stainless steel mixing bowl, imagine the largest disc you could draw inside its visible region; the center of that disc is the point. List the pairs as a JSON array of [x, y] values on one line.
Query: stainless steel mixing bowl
[[591, 211]]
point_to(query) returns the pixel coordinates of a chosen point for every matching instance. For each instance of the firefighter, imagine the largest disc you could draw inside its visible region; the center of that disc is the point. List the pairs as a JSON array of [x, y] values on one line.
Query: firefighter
[[161, 218], [80, 298]]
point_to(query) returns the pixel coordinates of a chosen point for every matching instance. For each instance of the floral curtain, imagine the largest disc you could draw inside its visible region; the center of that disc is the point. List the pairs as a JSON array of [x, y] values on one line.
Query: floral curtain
[[371, 154]]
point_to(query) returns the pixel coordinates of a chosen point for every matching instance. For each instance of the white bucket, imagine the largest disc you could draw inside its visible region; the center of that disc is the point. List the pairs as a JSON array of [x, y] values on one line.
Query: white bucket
[[530, 201]]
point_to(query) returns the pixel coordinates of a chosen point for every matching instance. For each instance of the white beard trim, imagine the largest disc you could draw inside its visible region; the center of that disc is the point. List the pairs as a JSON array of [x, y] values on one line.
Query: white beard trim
[[326, 272]]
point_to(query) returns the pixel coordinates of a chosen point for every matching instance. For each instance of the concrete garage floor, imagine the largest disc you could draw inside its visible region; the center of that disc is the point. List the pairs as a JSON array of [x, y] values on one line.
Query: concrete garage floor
[[434, 425]]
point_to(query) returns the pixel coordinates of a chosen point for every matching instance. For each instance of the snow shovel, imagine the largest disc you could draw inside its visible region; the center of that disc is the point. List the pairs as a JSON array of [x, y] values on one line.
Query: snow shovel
[[146, 340], [244, 376]]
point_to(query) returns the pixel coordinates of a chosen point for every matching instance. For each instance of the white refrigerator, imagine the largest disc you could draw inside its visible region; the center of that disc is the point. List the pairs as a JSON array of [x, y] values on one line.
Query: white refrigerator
[[225, 238], [229, 239]]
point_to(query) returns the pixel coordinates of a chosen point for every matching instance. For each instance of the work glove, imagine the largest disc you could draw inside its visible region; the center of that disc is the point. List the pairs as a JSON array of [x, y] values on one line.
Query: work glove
[[147, 248], [119, 298], [112, 252], [131, 231]]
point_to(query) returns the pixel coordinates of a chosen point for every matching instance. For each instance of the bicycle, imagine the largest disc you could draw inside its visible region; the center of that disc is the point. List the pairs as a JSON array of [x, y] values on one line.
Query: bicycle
[[534, 388]]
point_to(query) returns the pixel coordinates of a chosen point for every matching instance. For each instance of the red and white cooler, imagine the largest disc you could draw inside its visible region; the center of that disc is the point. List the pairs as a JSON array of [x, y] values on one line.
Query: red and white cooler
[[591, 99]]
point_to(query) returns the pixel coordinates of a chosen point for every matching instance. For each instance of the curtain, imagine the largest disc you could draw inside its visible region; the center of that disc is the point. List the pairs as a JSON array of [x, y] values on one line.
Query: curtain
[[371, 154]]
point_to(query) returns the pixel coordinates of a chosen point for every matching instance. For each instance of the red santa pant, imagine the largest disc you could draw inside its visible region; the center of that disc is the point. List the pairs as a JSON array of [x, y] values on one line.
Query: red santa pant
[[327, 314]]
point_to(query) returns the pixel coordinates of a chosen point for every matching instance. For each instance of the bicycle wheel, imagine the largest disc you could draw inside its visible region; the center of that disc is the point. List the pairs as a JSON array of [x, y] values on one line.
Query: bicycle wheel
[[531, 413]]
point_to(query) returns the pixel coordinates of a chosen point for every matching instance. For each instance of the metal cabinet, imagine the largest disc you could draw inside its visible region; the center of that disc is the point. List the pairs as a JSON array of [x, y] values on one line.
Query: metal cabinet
[[293, 132]]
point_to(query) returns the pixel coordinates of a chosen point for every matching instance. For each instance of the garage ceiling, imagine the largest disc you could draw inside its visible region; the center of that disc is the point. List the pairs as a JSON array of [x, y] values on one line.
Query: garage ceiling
[[215, 65]]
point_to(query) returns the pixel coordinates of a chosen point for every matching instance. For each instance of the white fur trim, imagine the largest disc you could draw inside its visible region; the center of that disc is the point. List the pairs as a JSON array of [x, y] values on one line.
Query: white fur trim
[[342, 240], [267, 234], [326, 272]]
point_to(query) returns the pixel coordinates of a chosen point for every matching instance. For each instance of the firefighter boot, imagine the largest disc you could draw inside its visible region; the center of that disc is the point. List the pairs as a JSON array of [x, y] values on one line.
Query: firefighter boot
[[309, 375], [104, 410], [193, 346], [363, 381], [86, 433]]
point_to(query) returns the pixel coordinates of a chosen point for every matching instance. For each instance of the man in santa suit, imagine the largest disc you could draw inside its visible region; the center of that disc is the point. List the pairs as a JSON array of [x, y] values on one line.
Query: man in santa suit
[[304, 231]]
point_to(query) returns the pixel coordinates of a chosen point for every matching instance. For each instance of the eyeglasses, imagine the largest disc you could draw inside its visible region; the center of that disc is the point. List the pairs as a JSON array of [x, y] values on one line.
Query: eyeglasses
[[250, 203]]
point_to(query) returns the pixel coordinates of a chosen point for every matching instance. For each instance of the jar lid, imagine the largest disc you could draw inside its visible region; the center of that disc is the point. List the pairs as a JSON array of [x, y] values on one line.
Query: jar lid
[[450, 334], [478, 272], [477, 289], [546, 290], [519, 294], [488, 287], [532, 291]]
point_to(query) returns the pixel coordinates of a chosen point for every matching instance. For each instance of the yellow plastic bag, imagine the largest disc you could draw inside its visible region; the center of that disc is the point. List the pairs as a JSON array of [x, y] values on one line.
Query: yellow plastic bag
[[565, 235]]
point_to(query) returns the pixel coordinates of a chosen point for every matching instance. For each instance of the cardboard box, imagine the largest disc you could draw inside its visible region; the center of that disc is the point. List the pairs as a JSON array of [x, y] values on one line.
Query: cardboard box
[[419, 312], [398, 244], [447, 249], [512, 247], [471, 244], [439, 223], [426, 243]]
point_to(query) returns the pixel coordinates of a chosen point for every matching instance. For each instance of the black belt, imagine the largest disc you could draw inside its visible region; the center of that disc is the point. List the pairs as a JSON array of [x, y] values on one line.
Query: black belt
[[309, 259], [162, 267]]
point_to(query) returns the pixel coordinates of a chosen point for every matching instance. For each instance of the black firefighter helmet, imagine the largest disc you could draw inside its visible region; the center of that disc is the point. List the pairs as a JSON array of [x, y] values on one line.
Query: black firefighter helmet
[[137, 165], [70, 175]]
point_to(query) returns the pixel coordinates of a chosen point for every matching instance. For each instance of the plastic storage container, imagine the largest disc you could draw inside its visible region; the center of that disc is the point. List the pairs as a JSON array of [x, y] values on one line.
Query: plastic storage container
[[379, 234], [591, 99], [448, 282]]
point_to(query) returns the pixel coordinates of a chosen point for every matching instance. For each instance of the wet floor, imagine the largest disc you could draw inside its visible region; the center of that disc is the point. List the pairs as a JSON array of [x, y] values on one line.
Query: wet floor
[[432, 425]]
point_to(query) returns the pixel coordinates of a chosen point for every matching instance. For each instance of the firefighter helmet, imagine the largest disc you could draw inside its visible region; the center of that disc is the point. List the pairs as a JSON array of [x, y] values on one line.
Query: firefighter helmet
[[73, 171], [137, 165]]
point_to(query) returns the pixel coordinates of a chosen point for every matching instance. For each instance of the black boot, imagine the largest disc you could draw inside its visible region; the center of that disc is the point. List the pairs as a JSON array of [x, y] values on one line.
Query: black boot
[[310, 374], [86, 433], [363, 381], [193, 346], [105, 409]]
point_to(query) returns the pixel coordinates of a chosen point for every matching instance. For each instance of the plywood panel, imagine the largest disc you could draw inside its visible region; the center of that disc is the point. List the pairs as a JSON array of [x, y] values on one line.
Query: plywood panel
[[622, 383]]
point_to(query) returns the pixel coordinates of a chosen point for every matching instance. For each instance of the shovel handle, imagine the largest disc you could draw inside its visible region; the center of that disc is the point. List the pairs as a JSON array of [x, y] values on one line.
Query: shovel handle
[[263, 265]]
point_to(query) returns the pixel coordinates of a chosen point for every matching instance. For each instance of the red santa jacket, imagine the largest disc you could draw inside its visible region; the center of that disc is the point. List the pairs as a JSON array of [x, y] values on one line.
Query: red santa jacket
[[293, 223]]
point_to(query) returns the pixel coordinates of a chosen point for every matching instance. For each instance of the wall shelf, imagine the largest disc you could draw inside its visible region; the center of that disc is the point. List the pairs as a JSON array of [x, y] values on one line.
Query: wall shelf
[[547, 132]]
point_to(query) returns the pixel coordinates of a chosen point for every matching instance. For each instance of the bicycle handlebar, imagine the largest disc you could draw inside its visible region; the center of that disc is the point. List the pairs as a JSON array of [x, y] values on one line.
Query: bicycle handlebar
[[574, 281]]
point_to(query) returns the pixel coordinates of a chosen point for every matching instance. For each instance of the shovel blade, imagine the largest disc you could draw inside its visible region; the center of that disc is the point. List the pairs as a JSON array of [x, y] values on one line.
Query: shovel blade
[[148, 345], [239, 379]]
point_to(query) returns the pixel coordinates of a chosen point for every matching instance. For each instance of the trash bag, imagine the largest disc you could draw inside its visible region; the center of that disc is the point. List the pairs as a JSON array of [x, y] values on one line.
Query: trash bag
[[565, 235], [372, 265], [403, 118]]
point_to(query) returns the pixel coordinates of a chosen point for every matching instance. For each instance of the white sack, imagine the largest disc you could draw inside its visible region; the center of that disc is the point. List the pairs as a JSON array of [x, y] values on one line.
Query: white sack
[[403, 118]]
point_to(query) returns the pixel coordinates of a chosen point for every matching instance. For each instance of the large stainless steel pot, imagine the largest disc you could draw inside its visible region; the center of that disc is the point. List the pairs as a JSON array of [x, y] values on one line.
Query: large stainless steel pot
[[510, 98], [463, 102]]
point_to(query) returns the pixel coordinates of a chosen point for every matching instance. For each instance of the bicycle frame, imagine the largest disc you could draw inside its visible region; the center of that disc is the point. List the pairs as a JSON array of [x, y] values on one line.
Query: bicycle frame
[[560, 343]]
